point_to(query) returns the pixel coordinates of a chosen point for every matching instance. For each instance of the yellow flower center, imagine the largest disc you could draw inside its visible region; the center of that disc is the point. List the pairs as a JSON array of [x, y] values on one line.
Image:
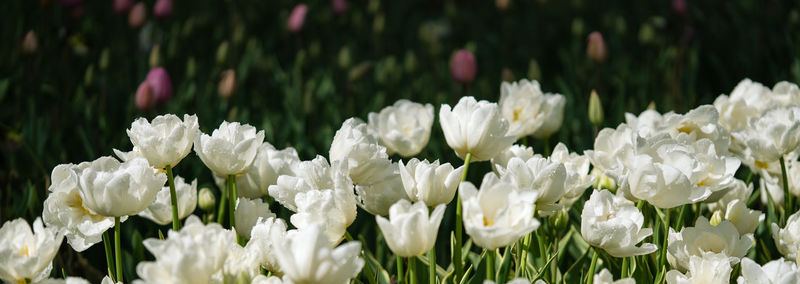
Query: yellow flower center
[[77, 203], [761, 164], [24, 251], [517, 111], [487, 222]]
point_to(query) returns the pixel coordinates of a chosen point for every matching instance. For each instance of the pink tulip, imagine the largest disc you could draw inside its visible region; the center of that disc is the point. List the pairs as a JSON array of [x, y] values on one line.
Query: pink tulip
[[144, 97], [138, 15], [159, 82], [162, 9], [339, 6], [463, 66], [596, 47], [122, 6], [297, 18]]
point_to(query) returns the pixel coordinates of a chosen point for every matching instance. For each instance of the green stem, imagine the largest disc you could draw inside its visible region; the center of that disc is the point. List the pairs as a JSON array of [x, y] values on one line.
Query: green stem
[[412, 270], [118, 249], [432, 265], [663, 250], [399, 260], [223, 205], [109, 255], [749, 178], [624, 267], [590, 275], [490, 274], [459, 269], [787, 196], [232, 200], [547, 146], [176, 222]]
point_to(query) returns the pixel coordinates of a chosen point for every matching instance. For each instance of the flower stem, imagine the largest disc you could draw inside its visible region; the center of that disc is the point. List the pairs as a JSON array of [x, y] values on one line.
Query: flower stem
[[176, 222], [590, 275], [118, 249], [624, 267], [432, 264], [412, 270], [490, 265], [223, 204], [231, 199], [787, 196], [399, 269], [459, 269], [109, 255]]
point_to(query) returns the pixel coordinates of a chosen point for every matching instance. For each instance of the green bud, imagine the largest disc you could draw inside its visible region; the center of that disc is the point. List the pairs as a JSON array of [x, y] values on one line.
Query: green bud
[[191, 68], [534, 73], [89, 75], [105, 57], [378, 24], [222, 52], [506, 75], [602, 181], [344, 57], [410, 62], [651, 106], [155, 56], [359, 70], [243, 278], [559, 221], [716, 218], [206, 199], [595, 109]]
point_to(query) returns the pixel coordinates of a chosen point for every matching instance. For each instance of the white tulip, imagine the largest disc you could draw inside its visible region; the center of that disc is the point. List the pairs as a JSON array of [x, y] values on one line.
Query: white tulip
[[261, 242], [113, 189], [577, 178], [356, 145], [523, 106], [699, 123], [333, 210], [706, 268], [166, 140], [774, 134], [613, 148], [614, 224], [160, 211], [747, 100], [745, 219], [787, 239], [305, 256], [605, 277], [409, 231], [261, 279], [497, 215], [126, 156], [382, 191], [538, 175], [230, 149], [268, 165], [26, 254], [64, 210], [305, 176], [737, 191], [403, 128], [247, 213], [773, 272], [516, 150], [554, 115], [429, 182], [475, 127], [73, 280], [772, 182], [722, 239]]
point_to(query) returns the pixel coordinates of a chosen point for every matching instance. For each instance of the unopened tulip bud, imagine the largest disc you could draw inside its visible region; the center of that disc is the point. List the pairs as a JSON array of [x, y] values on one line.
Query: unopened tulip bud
[[596, 47], [227, 85], [30, 43], [534, 72], [191, 68], [502, 5], [339, 6], [344, 57], [651, 106], [162, 9], [89, 75], [602, 181], [160, 83], [155, 56], [206, 199], [507, 75], [378, 24], [679, 7], [559, 221], [595, 109], [297, 18], [222, 52], [410, 62], [122, 6], [463, 66], [105, 57], [138, 15], [716, 218], [144, 97]]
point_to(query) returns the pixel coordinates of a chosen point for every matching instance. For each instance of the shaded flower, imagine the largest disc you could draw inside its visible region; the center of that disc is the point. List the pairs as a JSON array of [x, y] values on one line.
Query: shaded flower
[[787, 239], [160, 211], [409, 231], [113, 189], [614, 224], [773, 272], [722, 239], [27, 255], [708, 267], [248, 212]]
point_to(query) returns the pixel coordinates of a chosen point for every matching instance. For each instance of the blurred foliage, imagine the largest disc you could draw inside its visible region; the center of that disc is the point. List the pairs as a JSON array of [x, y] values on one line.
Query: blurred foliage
[[72, 99]]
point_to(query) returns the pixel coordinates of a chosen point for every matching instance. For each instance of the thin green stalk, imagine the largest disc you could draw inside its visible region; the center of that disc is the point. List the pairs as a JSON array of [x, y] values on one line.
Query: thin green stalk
[[223, 205], [432, 265], [490, 265], [547, 146], [459, 269], [118, 249], [625, 265], [749, 178], [176, 222], [590, 275], [524, 255], [412, 270], [663, 250], [109, 256], [232, 200], [399, 269], [787, 196]]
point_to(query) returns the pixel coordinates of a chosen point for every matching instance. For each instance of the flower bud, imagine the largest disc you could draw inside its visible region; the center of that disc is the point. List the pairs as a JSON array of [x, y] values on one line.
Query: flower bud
[[105, 57], [595, 109], [88, 77], [297, 18], [144, 97], [30, 43], [206, 199], [359, 70], [162, 9], [679, 7], [339, 6], [463, 66], [378, 23], [122, 6], [602, 181], [222, 52], [502, 5], [344, 57], [507, 75], [191, 68], [160, 83], [716, 218], [534, 72], [596, 47], [155, 56], [410, 62], [559, 221], [227, 84], [138, 15]]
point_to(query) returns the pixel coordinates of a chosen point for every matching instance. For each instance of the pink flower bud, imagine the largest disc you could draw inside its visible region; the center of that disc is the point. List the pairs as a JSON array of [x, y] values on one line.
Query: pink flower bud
[[144, 97], [339, 6], [162, 9], [679, 7], [297, 18], [463, 66], [122, 6], [159, 82], [30, 43], [596, 47], [137, 16], [227, 84]]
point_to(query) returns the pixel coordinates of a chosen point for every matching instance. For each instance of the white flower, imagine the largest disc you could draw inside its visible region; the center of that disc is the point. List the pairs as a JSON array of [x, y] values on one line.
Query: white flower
[[126, 156], [516, 150], [403, 128], [745, 219], [772, 182], [382, 191], [613, 148], [193, 255], [722, 239], [614, 224], [305, 176], [706, 268], [475, 127], [261, 242], [773, 135], [787, 239], [430, 182], [268, 165], [605, 277], [72, 280], [332, 210], [160, 211], [577, 178], [305, 256], [261, 279], [166, 140], [773, 272], [231, 148], [497, 215], [522, 104], [554, 115], [737, 191], [359, 148], [748, 99], [699, 123], [113, 189], [538, 175], [247, 212], [26, 254], [409, 231], [63, 209]]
